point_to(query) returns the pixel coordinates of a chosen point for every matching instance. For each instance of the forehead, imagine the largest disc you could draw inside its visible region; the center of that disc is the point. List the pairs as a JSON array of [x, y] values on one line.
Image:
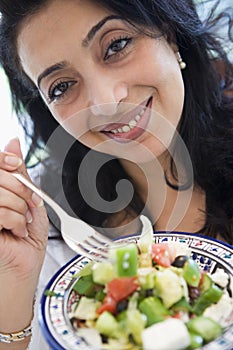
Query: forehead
[[60, 24]]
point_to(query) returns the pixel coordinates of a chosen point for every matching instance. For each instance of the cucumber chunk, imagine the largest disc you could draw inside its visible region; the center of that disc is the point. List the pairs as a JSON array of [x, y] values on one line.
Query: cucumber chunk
[[169, 287], [207, 328], [107, 324], [135, 324], [206, 283], [196, 341], [102, 272], [86, 309]]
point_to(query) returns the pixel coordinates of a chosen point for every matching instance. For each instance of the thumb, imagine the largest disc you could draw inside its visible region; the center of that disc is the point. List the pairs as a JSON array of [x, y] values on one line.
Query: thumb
[[14, 147]]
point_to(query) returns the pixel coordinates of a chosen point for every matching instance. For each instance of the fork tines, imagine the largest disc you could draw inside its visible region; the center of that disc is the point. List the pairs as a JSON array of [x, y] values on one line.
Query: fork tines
[[93, 249]]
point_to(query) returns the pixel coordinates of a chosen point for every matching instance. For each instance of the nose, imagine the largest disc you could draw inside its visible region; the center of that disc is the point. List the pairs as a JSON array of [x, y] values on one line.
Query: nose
[[105, 95]]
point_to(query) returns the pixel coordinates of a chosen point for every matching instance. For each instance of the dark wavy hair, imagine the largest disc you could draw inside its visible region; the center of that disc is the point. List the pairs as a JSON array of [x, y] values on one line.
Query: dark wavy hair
[[206, 125]]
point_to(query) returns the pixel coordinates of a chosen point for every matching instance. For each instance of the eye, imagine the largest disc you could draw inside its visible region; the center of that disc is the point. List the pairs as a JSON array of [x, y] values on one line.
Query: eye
[[59, 89], [117, 47]]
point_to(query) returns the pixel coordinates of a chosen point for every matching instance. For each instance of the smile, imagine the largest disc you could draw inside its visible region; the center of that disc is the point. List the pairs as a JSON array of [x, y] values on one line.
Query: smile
[[137, 122], [131, 125]]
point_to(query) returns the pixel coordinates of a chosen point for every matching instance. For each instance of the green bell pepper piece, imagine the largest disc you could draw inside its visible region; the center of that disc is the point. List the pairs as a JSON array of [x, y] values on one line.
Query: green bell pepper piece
[[181, 305], [209, 297], [85, 286], [191, 272], [154, 310], [126, 260]]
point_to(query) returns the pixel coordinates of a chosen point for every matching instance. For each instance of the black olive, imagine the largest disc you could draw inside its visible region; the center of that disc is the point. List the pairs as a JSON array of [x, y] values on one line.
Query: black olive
[[194, 293], [121, 306], [104, 339], [149, 292], [180, 261]]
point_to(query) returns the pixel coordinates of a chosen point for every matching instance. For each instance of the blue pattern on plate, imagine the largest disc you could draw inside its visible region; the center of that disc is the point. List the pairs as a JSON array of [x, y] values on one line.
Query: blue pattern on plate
[[56, 327]]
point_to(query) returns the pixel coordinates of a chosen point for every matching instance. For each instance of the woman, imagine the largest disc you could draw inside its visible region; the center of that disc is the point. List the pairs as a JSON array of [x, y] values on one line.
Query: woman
[[137, 83]]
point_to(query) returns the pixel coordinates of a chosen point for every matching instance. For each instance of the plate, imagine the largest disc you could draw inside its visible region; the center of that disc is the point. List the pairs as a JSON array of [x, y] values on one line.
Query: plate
[[209, 253]]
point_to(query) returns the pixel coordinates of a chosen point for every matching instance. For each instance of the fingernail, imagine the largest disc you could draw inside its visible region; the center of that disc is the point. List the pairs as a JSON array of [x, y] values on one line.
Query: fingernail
[[37, 200], [28, 217], [13, 160]]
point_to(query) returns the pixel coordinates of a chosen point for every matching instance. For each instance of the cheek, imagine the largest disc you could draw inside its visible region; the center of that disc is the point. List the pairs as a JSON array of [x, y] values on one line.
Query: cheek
[[171, 95], [76, 124], [167, 80], [161, 75]]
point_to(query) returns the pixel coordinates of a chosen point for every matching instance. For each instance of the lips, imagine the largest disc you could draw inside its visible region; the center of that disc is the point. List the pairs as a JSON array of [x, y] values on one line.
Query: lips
[[132, 125]]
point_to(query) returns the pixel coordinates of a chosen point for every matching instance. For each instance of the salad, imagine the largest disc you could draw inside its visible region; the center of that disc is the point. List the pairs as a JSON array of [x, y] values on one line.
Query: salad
[[149, 296]]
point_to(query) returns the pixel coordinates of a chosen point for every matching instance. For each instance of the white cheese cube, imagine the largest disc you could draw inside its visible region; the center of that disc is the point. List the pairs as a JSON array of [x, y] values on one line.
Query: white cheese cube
[[220, 277], [169, 334], [222, 311]]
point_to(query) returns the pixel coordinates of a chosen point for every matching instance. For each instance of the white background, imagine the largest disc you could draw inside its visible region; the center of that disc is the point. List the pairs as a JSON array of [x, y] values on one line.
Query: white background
[[9, 127]]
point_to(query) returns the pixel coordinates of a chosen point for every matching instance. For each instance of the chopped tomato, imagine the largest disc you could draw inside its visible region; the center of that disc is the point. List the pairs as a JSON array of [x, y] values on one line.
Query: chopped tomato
[[109, 304], [161, 254], [120, 288], [178, 315]]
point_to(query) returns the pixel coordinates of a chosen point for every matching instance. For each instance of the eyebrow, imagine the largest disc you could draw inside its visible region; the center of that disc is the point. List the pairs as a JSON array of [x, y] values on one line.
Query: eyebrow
[[97, 27], [86, 41], [50, 70]]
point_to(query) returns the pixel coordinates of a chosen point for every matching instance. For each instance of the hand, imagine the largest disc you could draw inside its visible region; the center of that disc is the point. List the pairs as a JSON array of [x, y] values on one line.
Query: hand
[[23, 239]]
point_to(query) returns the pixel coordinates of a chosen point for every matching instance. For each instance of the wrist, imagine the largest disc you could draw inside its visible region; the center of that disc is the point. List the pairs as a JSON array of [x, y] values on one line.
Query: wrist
[[15, 324], [16, 306], [20, 336], [20, 345]]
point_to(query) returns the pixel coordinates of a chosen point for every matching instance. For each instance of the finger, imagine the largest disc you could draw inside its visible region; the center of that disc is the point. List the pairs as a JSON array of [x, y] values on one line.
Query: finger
[[13, 221], [12, 201], [38, 229], [15, 187], [10, 183], [9, 161], [13, 148]]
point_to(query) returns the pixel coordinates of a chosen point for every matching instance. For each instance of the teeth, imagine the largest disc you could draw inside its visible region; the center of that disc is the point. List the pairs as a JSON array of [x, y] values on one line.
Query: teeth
[[126, 128], [142, 112], [131, 125]]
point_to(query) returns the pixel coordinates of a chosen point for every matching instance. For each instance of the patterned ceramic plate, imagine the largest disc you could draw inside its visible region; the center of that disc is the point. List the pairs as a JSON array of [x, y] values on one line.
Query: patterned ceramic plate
[[57, 329]]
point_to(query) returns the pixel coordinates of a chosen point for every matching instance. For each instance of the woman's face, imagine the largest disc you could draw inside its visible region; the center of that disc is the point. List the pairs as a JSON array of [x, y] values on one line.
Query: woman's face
[[112, 87]]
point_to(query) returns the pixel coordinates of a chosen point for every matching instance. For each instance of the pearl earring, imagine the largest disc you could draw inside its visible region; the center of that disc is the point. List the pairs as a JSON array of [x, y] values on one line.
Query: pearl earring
[[180, 61]]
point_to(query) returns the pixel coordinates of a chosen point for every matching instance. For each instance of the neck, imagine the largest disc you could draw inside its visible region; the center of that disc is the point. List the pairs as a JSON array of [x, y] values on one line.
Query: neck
[[170, 209], [149, 181], [147, 177]]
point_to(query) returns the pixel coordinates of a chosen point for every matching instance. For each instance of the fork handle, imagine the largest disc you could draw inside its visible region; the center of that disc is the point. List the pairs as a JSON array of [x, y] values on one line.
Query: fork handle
[[59, 211]]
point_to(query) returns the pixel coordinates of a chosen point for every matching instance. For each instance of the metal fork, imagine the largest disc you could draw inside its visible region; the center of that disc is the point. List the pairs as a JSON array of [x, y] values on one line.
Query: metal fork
[[77, 234]]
